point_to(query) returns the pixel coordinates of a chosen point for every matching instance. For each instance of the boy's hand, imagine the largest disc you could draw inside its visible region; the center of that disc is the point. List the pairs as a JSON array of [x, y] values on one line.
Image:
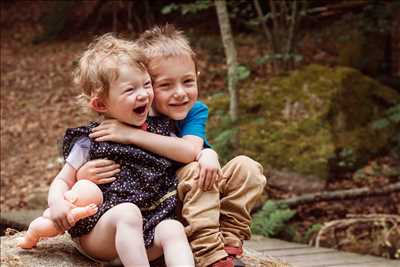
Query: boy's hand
[[112, 130], [99, 171], [60, 214], [210, 169]]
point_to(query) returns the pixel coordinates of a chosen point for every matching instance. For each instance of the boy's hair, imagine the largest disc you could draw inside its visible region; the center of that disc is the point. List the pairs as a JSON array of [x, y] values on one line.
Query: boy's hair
[[99, 65], [165, 41]]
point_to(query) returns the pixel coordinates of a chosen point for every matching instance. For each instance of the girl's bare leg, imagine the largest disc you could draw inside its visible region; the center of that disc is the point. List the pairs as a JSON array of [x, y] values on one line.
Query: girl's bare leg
[[171, 239], [118, 233]]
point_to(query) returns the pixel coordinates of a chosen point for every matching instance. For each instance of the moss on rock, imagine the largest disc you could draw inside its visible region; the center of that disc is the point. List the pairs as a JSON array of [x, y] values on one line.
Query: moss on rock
[[317, 121]]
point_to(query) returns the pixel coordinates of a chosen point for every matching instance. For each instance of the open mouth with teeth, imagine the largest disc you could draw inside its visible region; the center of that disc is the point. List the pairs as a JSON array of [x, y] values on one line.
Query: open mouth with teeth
[[140, 110]]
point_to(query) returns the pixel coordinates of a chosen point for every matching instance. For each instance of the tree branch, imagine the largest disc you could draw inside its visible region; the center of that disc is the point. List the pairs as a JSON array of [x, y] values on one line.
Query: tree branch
[[263, 24], [339, 195]]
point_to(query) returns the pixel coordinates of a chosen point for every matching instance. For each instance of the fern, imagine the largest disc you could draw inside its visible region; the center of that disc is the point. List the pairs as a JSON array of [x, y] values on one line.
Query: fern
[[272, 219]]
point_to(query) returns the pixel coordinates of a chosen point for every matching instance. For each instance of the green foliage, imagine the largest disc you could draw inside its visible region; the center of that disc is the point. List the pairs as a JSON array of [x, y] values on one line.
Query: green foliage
[[220, 129], [240, 10], [279, 56], [195, 7], [242, 72], [272, 219], [223, 142], [311, 231], [309, 121], [346, 158], [390, 118]]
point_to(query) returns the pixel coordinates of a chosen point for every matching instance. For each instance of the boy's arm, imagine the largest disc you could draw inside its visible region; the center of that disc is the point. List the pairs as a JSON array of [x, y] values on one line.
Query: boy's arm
[[59, 207], [183, 149], [210, 169]]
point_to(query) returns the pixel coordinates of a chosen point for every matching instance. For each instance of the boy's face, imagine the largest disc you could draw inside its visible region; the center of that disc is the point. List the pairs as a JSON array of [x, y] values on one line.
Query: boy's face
[[175, 85], [130, 96]]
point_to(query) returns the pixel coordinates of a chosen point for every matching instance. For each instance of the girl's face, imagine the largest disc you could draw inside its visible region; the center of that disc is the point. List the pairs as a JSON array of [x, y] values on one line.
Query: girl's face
[[175, 85], [130, 96]]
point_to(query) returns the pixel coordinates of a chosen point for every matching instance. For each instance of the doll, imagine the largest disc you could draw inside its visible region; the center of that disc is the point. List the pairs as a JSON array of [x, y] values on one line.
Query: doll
[[85, 195]]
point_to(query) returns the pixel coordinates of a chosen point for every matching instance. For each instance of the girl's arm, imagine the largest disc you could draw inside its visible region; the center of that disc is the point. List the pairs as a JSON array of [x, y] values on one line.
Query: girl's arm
[[183, 149], [59, 207]]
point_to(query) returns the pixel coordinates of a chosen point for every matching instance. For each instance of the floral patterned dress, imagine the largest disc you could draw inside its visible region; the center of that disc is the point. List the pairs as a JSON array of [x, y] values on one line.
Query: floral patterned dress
[[146, 179]]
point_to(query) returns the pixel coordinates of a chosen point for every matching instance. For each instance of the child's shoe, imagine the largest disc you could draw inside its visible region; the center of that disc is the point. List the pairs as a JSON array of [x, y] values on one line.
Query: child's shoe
[[225, 262], [235, 253]]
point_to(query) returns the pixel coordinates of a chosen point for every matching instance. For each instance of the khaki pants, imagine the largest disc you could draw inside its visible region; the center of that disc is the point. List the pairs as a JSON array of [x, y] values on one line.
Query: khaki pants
[[219, 217]]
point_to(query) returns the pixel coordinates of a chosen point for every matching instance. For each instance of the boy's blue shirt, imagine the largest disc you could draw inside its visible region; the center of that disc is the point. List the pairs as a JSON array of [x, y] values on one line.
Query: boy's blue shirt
[[195, 122]]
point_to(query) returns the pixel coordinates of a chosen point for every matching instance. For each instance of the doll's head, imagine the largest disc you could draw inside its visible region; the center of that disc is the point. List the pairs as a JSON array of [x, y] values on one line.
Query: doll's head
[[113, 80]]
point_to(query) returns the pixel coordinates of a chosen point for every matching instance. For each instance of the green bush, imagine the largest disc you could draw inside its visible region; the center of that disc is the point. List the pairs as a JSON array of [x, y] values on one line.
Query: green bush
[[271, 220]]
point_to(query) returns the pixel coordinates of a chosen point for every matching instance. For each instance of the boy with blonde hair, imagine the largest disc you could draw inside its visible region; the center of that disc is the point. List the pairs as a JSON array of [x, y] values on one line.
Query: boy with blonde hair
[[216, 202]]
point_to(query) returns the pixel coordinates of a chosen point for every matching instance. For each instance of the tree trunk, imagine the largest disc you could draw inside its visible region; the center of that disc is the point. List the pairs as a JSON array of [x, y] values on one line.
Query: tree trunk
[[231, 57]]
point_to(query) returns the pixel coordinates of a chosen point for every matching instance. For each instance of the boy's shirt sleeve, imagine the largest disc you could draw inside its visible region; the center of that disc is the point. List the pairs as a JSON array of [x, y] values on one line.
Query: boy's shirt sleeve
[[195, 122]]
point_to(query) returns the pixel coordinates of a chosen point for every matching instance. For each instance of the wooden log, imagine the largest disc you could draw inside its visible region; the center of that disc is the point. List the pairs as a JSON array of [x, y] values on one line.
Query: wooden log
[[339, 195]]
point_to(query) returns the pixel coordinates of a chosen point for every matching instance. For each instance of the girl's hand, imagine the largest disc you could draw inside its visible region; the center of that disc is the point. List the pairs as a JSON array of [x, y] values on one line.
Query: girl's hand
[[99, 171], [210, 169], [60, 214], [113, 130]]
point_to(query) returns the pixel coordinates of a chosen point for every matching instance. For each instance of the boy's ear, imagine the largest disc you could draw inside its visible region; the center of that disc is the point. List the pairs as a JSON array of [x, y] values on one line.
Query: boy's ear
[[97, 104]]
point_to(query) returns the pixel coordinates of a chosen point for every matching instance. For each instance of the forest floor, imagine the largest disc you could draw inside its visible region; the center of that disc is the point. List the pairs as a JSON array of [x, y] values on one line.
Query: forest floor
[[38, 103], [366, 225]]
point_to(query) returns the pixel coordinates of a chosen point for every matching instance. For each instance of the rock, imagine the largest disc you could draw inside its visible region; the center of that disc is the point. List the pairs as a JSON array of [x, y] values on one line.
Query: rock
[[316, 122], [19, 219], [59, 251], [254, 258]]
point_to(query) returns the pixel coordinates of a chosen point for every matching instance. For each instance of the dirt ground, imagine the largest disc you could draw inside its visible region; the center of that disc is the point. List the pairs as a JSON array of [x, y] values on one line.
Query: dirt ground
[[38, 103]]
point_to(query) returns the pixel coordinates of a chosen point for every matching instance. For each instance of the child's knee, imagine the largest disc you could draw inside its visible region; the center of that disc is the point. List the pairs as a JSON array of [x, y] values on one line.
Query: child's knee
[[170, 230], [251, 168], [248, 163], [128, 213]]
